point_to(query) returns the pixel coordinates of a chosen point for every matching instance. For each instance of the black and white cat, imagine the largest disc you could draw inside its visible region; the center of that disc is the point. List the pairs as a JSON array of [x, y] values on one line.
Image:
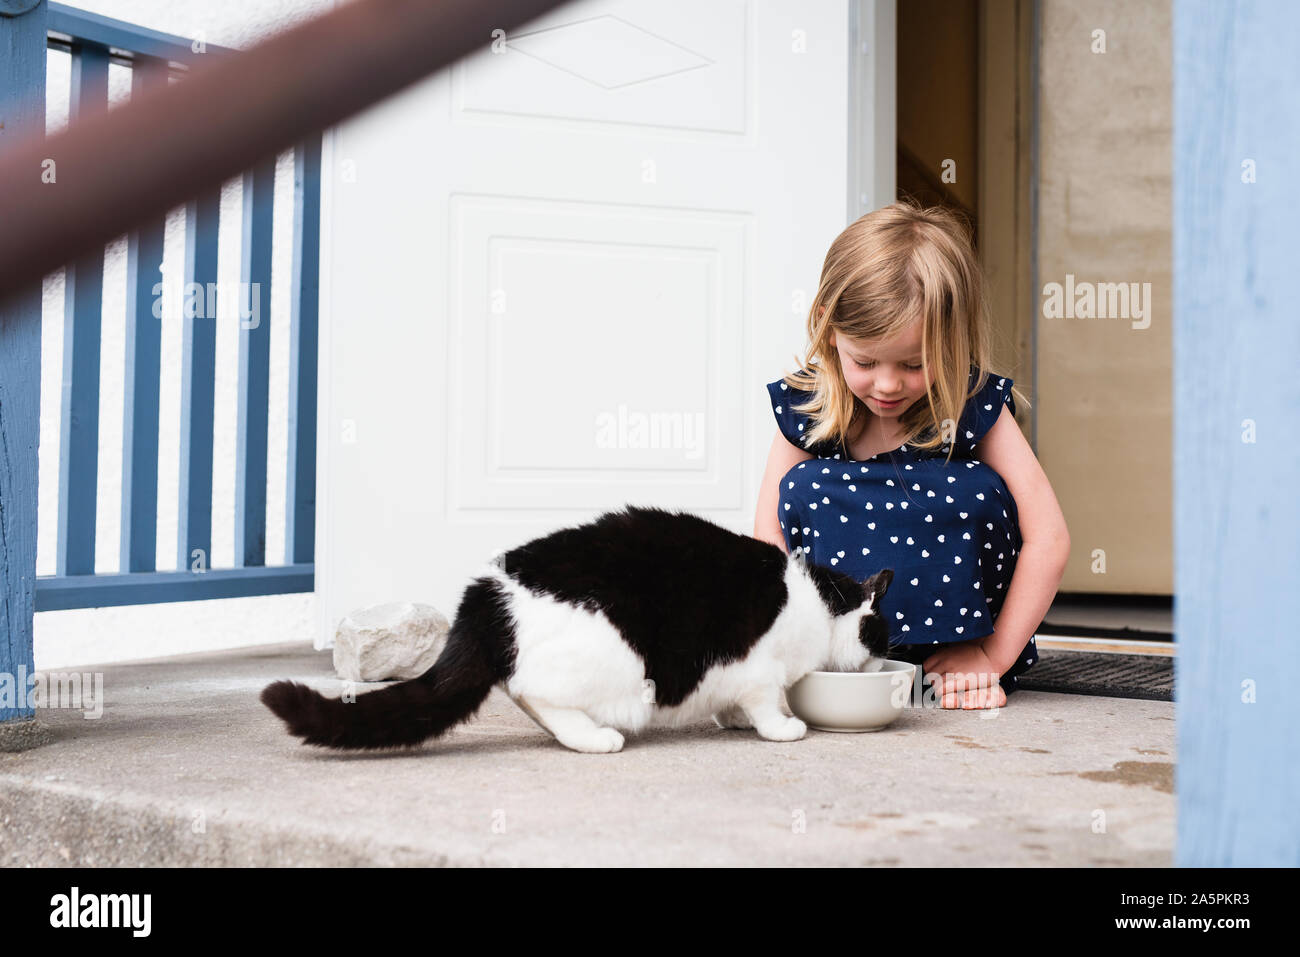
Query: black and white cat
[[640, 617]]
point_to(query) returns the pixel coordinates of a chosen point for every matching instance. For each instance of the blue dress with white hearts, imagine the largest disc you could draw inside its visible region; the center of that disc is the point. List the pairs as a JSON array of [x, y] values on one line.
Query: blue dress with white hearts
[[949, 530]]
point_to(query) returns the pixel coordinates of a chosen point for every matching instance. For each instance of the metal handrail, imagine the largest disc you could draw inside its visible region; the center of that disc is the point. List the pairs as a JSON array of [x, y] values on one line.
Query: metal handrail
[[125, 167]]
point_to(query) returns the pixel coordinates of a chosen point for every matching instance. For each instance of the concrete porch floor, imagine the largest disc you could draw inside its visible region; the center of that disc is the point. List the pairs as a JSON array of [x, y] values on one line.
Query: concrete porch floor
[[186, 767]]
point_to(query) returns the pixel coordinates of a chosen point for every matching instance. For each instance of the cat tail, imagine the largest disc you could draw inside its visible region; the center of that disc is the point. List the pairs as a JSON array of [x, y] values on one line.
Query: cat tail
[[477, 655]]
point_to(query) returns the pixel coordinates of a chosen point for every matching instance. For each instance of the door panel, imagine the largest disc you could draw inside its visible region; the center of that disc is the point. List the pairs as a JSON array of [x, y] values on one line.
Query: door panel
[[557, 277]]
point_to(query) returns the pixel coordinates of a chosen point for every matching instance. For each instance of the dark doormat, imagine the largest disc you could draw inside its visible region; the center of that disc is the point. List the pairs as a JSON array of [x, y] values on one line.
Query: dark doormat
[[1099, 673]]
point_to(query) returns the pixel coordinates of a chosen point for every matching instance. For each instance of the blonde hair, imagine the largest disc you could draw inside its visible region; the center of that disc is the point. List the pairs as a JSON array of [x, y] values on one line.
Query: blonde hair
[[882, 272]]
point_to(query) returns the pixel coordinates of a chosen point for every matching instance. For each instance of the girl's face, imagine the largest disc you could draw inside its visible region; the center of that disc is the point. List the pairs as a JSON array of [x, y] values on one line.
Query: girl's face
[[881, 370]]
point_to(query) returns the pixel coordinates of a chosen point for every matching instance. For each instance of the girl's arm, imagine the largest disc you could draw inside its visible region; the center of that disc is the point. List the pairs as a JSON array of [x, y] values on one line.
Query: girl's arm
[[1041, 562], [781, 458]]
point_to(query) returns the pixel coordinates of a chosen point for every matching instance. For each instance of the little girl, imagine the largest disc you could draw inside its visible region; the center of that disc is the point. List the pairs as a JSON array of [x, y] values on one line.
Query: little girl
[[894, 450]]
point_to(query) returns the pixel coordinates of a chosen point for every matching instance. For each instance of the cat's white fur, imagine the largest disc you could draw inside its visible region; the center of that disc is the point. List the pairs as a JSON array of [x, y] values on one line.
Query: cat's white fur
[[577, 678]]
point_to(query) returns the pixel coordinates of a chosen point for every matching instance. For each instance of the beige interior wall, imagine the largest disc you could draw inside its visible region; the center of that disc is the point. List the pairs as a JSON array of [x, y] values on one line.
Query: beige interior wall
[[963, 95], [1005, 86], [937, 99], [1104, 388]]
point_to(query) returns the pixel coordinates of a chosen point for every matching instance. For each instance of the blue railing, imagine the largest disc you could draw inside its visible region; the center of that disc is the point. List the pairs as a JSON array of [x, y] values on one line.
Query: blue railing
[[93, 41]]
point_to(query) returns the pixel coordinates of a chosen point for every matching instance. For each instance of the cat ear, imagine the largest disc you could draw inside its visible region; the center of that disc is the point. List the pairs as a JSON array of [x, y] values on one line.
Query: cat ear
[[878, 584]]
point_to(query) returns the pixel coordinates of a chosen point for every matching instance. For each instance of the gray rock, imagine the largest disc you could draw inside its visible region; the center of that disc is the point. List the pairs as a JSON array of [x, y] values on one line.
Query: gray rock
[[389, 642], [23, 735]]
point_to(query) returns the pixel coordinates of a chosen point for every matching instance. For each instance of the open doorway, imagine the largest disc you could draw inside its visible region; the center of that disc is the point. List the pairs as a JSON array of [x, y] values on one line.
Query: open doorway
[[966, 139]]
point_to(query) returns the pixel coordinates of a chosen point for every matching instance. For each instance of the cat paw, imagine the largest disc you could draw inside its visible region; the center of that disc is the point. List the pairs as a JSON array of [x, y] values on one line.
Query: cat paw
[[791, 729], [600, 741], [609, 741]]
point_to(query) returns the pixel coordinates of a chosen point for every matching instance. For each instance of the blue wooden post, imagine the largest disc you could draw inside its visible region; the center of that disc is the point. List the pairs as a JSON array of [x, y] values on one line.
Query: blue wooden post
[[1237, 517], [198, 385], [143, 361], [304, 300], [22, 114], [254, 366], [83, 297]]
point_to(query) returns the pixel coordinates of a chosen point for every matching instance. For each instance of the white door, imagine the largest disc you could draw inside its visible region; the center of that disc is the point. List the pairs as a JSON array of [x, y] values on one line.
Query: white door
[[558, 274]]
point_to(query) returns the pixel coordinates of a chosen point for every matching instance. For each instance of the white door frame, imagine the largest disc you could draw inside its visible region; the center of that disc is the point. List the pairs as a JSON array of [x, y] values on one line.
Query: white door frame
[[873, 96]]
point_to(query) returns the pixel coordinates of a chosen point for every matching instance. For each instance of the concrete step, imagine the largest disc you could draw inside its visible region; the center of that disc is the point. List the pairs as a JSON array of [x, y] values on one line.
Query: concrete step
[[186, 767]]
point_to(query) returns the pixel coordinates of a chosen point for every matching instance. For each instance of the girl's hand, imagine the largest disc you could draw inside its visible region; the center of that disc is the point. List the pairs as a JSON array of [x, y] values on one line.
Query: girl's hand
[[969, 678]]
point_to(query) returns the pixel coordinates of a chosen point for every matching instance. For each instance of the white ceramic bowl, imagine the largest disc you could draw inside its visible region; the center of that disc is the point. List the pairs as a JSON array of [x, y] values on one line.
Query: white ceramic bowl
[[851, 700]]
